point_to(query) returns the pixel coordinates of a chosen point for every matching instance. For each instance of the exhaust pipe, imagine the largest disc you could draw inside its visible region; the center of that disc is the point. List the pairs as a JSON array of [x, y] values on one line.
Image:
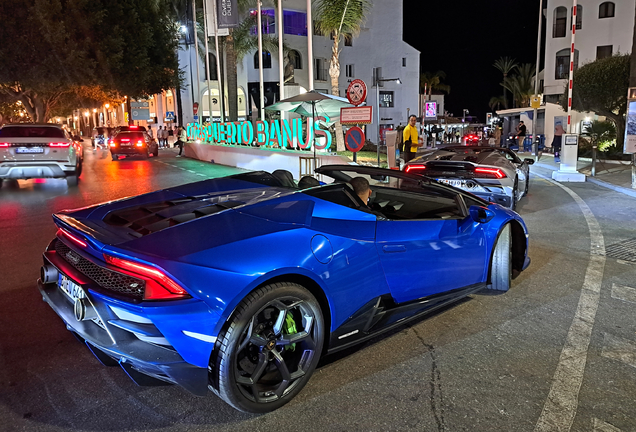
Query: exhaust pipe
[[84, 310], [48, 274]]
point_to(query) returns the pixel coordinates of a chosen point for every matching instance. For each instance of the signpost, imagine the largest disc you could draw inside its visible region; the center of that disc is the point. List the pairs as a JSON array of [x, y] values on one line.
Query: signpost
[[357, 92], [356, 115], [354, 139]]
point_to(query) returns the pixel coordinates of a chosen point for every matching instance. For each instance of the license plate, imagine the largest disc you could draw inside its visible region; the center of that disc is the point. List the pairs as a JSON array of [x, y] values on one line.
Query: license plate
[[70, 288], [29, 150], [456, 183], [125, 144]]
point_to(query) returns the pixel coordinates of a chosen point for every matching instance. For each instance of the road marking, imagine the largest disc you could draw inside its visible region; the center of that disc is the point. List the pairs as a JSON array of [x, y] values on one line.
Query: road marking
[[601, 426], [625, 293], [617, 348], [202, 175], [562, 401], [193, 172]]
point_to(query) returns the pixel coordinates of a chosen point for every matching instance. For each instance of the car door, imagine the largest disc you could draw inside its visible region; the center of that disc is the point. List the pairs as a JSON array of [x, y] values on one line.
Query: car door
[[430, 252]]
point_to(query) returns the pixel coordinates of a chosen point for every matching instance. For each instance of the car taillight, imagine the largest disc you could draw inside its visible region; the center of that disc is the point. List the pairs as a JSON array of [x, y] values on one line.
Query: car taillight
[[113, 143], [5, 144], [67, 235], [140, 143], [158, 285], [59, 144], [410, 168], [489, 173], [134, 127]]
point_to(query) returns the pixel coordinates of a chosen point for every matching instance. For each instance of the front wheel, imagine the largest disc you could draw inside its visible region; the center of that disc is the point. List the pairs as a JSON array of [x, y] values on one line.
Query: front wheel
[[270, 348]]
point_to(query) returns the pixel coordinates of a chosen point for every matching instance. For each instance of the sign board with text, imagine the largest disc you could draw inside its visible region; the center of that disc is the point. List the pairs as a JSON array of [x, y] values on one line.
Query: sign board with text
[[140, 114], [430, 110], [356, 115]]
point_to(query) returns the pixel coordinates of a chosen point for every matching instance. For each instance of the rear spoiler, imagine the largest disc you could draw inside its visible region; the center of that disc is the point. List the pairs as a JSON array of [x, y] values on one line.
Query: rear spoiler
[[97, 238]]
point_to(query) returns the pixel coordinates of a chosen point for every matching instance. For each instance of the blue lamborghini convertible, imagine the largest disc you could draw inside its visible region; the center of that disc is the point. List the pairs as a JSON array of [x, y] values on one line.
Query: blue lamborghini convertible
[[239, 284]]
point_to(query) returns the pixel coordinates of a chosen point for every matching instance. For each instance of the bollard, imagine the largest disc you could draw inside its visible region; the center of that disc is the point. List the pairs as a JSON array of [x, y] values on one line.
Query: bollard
[[593, 161]]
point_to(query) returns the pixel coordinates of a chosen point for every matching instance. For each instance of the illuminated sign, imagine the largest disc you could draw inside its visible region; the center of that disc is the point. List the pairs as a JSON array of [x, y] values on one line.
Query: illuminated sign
[[430, 111], [292, 134]]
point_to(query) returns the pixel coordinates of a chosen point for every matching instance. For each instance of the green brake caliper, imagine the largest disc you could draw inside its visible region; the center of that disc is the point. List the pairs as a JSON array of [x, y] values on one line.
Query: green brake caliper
[[290, 328]]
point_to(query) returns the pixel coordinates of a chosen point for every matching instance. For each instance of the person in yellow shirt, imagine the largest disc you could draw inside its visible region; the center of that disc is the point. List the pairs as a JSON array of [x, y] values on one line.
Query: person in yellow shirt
[[411, 139]]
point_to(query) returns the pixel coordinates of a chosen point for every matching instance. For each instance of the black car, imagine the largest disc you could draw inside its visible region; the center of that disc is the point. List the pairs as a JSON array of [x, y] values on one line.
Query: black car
[[133, 143]]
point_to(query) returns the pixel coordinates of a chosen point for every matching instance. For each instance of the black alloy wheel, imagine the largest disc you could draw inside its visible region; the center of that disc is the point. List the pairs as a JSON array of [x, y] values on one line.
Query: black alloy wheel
[[270, 349]]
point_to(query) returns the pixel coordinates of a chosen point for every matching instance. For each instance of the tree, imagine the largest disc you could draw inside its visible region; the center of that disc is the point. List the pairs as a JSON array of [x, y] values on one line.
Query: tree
[[340, 18], [50, 48], [433, 81], [601, 134], [495, 102], [601, 87], [521, 84], [505, 65]]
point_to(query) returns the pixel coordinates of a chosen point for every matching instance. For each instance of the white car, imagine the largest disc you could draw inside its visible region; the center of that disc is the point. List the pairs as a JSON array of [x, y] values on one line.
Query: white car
[[495, 174], [39, 151]]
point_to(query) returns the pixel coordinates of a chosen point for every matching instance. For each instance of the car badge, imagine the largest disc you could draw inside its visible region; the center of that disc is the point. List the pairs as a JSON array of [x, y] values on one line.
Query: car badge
[[73, 257]]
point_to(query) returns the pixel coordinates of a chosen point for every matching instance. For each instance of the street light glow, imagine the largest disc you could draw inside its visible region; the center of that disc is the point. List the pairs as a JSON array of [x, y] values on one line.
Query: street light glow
[[106, 106]]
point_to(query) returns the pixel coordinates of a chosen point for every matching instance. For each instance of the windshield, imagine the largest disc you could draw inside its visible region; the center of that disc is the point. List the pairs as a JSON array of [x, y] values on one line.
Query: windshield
[[31, 132]]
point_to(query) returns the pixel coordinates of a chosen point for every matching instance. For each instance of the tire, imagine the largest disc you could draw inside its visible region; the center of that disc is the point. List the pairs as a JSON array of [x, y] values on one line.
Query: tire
[[71, 180], [501, 266], [78, 170], [115, 157], [257, 340], [156, 152], [525, 191]]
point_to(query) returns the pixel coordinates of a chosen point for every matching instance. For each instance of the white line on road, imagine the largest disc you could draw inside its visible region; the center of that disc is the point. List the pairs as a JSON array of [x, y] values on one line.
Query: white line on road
[[562, 402], [202, 175], [617, 348], [601, 426], [624, 293], [193, 172]]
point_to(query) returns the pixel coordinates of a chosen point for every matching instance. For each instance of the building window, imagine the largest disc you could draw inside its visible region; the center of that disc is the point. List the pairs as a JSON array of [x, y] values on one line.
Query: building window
[[267, 60], [403, 61], [212, 67], [268, 21], [606, 10], [295, 59], [562, 66], [348, 39], [579, 16], [349, 71], [320, 69], [560, 22], [295, 23], [386, 99], [603, 51]]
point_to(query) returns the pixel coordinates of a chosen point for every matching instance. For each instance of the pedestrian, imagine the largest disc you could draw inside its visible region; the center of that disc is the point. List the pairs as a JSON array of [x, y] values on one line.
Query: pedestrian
[[181, 139], [457, 136], [164, 137], [150, 133], [410, 139], [521, 134], [497, 136]]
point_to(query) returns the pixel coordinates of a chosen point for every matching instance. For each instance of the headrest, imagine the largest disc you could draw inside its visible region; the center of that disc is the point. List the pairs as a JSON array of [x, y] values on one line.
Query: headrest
[[285, 178], [307, 182]]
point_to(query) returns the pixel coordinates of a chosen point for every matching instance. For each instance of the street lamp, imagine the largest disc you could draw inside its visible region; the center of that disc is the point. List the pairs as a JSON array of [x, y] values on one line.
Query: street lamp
[[377, 99]]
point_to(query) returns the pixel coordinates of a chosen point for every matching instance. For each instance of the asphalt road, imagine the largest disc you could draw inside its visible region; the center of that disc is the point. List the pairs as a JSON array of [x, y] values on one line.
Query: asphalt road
[[557, 352]]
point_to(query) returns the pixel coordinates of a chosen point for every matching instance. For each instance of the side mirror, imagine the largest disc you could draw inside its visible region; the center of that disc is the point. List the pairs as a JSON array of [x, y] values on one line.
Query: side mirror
[[529, 161], [481, 214]]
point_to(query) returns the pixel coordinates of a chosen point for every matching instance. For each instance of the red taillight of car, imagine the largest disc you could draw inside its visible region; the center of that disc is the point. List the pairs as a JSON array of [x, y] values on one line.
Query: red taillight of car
[[67, 235], [158, 285], [414, 168], [140, 143], [489, 173], [113, 143], [5, 144], [134, 127], [59, 144]]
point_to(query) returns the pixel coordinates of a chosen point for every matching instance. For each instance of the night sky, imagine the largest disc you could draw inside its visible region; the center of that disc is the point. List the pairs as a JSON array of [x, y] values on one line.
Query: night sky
[[464, 38]]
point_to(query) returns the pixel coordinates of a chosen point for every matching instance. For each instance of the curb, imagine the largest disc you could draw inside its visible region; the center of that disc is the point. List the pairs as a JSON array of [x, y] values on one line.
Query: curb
[[623, 190]]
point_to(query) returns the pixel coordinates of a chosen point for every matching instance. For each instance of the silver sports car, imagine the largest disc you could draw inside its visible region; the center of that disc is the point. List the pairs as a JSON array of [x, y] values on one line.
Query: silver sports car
[[495, 174]]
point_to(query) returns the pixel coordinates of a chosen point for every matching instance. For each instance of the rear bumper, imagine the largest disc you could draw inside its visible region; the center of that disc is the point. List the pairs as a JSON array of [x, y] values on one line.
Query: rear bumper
[[28, 170], [132, 151], [131, 336]]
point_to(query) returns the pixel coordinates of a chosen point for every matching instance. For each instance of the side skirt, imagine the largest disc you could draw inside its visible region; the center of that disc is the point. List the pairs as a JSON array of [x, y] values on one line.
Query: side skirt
[[383, 314]]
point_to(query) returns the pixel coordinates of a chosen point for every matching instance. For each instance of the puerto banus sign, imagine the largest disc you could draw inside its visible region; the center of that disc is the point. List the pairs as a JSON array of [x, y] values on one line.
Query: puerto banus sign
[[276, 133]]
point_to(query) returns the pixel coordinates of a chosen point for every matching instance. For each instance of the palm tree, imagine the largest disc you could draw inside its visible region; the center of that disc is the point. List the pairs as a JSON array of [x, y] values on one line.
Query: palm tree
[[340, 18], [521, 85], [433, 81], [496, 102], [505, 65]]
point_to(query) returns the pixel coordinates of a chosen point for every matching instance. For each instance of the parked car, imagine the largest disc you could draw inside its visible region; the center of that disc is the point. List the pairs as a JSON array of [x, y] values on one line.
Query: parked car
[[30, 150], [495, 174], [470, 139], [133, 143], [240, 284]]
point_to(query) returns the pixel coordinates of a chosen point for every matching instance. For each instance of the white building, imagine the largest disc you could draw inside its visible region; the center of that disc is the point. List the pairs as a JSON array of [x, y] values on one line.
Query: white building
[[603, 28], [379, 45]]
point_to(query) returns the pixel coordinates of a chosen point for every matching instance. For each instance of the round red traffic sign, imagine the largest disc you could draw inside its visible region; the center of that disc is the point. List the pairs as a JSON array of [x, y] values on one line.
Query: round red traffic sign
[[195, 108], [354, 139], [357, 92]]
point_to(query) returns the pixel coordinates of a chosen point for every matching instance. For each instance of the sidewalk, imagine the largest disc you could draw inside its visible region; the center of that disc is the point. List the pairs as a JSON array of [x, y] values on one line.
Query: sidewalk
[[615, 175]]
